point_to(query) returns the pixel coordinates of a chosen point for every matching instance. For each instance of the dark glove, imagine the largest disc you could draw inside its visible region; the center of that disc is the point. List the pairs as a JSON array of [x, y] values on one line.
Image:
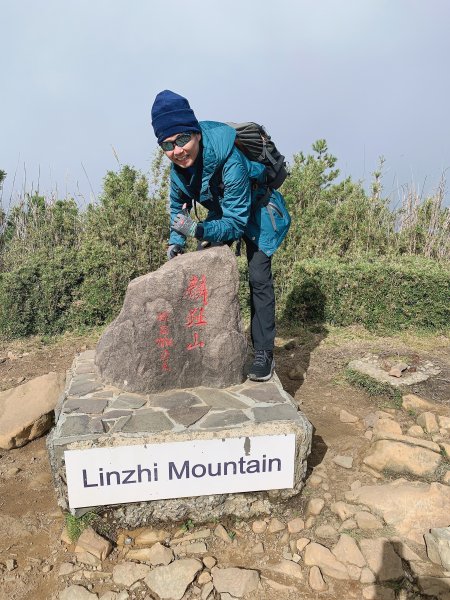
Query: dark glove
[[174, 250], [184, 224]]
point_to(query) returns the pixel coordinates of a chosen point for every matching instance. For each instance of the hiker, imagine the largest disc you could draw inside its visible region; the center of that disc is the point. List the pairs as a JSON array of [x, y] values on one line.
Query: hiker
[[209, 169]]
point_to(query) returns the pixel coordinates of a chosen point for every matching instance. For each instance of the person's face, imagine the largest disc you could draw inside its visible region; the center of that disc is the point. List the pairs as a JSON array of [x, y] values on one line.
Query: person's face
[[186, 155]]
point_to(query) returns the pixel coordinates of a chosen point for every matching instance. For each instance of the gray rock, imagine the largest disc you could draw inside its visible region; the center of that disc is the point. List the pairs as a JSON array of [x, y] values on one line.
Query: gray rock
[[128, 401], [280, 412], [224, 418], [188, 416], [75, 425], [85, 405], [234, 581], [171, 582], [179, 327], [267, 392], [438, 546], [147, 420], [219, 398]]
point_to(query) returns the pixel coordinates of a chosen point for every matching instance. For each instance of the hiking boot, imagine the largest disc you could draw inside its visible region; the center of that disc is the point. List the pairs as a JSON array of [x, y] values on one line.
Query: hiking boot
[[263, 366]]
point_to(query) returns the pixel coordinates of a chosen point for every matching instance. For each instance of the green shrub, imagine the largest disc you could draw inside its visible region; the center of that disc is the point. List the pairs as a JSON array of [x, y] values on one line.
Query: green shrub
[[379, 294]]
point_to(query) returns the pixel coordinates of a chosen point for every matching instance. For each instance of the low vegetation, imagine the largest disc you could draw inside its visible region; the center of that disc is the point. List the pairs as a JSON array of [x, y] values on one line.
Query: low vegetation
[[349, 258]]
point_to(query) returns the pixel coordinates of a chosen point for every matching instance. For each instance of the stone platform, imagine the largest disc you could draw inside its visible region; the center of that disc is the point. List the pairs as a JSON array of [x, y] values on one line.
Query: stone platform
[[91, 414]]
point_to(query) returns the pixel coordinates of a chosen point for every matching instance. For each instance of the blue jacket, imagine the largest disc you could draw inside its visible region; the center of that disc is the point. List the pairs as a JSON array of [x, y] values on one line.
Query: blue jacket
[[229, 186]]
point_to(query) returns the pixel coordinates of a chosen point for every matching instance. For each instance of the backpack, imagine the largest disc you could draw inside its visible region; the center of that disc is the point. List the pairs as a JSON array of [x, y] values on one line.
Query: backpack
[[254, 141]]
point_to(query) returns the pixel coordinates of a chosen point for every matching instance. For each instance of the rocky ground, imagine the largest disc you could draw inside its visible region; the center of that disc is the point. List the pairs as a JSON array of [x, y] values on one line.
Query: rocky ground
[[378, 480]]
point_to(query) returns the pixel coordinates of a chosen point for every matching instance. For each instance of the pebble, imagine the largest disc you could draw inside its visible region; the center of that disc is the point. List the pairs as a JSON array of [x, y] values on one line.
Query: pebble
[[314, 506], [416, 431], [258, 548], [222, 534], [275, 525], [368, 435], [284, 539], [310, 522], [10, 564], [209, 562], [326, 531], [316, 581], [356, 485], [12, 472], [427, 420], [348, 524], [344, 461], [259, 526], [203, 578], [296, 525], [346, 417], [302, 543], [315, 480]]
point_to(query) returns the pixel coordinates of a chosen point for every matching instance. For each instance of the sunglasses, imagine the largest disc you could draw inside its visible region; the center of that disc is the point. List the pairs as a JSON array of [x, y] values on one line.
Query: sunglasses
[[179, 141]]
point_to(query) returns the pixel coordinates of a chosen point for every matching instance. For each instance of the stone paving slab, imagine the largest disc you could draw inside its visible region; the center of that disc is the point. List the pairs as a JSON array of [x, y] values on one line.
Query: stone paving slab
[[106, 416]]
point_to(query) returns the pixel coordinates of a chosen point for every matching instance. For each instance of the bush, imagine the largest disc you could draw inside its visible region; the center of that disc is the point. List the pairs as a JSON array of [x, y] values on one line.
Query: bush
[[379, 294], [61, 268]]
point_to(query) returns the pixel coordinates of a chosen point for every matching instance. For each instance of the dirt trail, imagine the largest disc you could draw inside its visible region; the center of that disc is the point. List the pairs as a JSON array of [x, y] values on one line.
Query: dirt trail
[[31, 523]]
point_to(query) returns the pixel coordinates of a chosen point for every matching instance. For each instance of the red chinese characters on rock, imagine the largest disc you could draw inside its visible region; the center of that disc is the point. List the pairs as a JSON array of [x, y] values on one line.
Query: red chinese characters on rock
[[164, 341], [196, 291]]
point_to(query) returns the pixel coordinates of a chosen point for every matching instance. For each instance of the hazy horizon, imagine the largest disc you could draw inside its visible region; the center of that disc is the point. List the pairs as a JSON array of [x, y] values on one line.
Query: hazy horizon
[[79, 79]]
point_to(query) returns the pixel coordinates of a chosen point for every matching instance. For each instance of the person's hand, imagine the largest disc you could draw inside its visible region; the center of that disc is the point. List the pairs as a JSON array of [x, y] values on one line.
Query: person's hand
[[174, 250], [184, 224]]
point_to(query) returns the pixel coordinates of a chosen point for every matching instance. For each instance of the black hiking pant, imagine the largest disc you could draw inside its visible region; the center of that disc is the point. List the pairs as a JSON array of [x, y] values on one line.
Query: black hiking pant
[[262, 297], [262, 294]]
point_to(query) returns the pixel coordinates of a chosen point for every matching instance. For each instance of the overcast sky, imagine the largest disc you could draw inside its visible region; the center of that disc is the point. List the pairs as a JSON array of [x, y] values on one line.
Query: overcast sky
[[78, 78]]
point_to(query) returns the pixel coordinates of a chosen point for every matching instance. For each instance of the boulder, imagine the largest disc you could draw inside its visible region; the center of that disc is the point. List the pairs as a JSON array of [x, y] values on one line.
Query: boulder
[[128, 573], [412, 507], [90, 541], [428, 421], [398, 457], [347, 551], [234, 581], [319, 556], [26, 411], [288, 568], [171, 582], [438, 546], [179, 327]]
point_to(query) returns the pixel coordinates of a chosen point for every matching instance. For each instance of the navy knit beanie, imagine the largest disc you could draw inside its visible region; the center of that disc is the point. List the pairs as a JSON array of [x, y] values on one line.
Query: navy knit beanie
[[172, 114]]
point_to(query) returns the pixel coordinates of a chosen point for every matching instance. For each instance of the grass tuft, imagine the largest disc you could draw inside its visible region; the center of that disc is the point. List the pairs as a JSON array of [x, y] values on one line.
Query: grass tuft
[[76, 525], [390, 397]]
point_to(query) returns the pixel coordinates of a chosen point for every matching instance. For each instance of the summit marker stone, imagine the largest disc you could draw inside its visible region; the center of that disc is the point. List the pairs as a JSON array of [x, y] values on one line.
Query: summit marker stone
[[179, 327]]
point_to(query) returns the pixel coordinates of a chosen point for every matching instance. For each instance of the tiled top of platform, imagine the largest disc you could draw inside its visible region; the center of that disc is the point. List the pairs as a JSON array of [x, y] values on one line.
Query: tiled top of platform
[[91, 409]]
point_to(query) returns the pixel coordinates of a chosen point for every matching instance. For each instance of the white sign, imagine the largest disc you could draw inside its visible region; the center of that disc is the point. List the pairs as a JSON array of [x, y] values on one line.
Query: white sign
[[101, 476]]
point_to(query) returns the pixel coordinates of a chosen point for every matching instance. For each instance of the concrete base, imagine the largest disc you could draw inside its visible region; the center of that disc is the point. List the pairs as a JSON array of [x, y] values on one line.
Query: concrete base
[[93, 415]]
